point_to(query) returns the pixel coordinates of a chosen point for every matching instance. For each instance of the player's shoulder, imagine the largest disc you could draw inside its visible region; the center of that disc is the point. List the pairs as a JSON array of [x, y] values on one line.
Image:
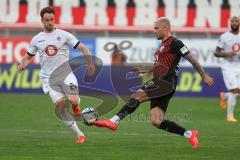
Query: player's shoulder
[[37, 37], [175, 40], [226, 35], [61, 31]]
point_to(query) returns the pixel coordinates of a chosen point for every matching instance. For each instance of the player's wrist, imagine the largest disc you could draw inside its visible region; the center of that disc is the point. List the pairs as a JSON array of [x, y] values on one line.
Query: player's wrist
[[203, 75]]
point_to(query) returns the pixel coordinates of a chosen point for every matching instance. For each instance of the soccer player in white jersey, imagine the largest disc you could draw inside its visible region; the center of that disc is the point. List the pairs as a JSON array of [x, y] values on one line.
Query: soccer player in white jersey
[[53, 47], [228, 48]]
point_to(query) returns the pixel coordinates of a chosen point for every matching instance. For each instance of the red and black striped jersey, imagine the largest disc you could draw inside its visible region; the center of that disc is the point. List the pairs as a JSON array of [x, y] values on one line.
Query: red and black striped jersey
[[167, 57]]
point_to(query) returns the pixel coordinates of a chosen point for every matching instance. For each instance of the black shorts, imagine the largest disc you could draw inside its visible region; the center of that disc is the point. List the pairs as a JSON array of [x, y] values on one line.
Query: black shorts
[[160, 91], [162, 102]]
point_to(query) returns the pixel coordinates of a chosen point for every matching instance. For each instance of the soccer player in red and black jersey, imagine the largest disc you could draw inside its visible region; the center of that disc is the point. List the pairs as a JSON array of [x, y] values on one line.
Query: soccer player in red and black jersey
[[161, 88]]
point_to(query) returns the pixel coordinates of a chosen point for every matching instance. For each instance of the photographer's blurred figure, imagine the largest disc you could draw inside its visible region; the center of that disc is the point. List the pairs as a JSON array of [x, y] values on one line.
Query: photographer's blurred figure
[[118, 57]]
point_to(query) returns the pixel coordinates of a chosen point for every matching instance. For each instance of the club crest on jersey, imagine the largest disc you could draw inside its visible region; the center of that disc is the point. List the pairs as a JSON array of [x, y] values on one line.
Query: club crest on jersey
[[59, 38], [51, 50], [236, 47], [161, 48]]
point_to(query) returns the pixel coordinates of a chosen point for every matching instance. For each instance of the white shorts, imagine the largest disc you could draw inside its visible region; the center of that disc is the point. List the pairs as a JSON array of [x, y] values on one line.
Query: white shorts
[[231, 78], [70, 87]]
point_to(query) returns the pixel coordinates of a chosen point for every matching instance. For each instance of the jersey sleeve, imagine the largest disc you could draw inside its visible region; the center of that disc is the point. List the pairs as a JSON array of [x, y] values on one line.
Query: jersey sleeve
[[220, 43], [72, 40], [180, 48], [32, 50]]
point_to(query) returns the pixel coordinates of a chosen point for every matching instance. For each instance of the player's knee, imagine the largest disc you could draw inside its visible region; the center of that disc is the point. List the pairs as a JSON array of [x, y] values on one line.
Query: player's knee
[[133, 102], [157, 116], [74, 101], [139, 96], [156, 123], [60, 105]]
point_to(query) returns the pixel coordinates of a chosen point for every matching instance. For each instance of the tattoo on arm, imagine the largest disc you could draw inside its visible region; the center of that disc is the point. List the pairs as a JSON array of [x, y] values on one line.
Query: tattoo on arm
[[195, 64]]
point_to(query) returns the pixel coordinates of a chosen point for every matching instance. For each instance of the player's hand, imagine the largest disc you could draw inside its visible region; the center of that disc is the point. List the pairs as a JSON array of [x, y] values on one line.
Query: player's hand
[[208, 80], [91, 69], [136, 70], [231, 54], [139, 70], [21, 67]]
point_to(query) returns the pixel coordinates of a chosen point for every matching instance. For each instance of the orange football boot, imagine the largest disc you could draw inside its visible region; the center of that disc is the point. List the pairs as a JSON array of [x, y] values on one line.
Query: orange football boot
[[194, 139], [77, 111], [80, 139], [106, 123]]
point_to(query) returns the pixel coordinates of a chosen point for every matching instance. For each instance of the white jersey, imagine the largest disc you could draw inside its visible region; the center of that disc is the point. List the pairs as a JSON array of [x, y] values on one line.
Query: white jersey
[[53, 49], [230, 42]]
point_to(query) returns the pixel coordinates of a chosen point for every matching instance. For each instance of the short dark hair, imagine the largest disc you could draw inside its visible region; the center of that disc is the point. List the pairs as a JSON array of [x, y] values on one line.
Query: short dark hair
[[46, 10]]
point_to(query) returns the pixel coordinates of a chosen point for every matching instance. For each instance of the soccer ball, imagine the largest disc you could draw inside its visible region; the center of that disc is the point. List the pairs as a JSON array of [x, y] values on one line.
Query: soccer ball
[[89, 115]]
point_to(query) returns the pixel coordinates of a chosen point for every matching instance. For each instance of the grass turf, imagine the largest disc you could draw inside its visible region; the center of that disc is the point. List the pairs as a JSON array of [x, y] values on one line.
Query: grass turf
[[30, 130]]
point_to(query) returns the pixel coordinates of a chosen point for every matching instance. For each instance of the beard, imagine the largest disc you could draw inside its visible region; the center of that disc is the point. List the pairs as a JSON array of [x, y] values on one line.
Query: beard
[[159, 37], [49, 28], [235, 28]]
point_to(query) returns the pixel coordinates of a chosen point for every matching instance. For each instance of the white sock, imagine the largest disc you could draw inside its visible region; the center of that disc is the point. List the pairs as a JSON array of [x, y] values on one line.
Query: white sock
[[73, 126], [115, 119], [70, 122], [231, 102], [226, 95], [187, 134]]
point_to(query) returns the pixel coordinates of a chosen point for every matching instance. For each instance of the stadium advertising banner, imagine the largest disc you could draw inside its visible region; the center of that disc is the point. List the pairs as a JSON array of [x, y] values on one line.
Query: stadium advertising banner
[[190, 84], [186, 15], [142, 50], [13, 49]]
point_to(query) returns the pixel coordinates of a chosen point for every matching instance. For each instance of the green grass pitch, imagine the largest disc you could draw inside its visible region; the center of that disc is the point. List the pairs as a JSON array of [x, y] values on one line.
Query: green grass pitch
[[29, 130]]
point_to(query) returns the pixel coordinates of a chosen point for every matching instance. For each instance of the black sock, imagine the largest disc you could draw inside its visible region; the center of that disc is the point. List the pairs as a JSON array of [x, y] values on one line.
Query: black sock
[[172, 127], [128, 108]]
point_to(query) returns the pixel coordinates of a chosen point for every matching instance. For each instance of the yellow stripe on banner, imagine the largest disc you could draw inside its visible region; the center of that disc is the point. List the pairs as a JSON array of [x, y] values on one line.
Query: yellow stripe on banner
[[27, 79]]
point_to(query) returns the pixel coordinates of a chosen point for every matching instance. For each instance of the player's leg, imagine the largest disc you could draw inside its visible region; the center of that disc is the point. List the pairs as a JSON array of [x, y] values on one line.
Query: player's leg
[[132, 104], [151, 89], [158, 109], [231, 103], [231, 81], [223, 96], [57, 98], [65, 115], [70, 89], [74, 101]]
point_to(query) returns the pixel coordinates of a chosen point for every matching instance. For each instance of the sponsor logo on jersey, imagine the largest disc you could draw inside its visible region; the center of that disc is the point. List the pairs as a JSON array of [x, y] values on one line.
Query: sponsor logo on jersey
[[51, 50], [161, 48], [41, 40], [59, 38]]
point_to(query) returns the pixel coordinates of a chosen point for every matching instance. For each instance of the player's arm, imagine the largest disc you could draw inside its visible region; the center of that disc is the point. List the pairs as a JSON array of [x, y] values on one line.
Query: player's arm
[[180, 49], [206, 78], [31, 52], [86, 52], [219, 49], [73, 41], [220, 53], [25, 61], [195, 64]]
